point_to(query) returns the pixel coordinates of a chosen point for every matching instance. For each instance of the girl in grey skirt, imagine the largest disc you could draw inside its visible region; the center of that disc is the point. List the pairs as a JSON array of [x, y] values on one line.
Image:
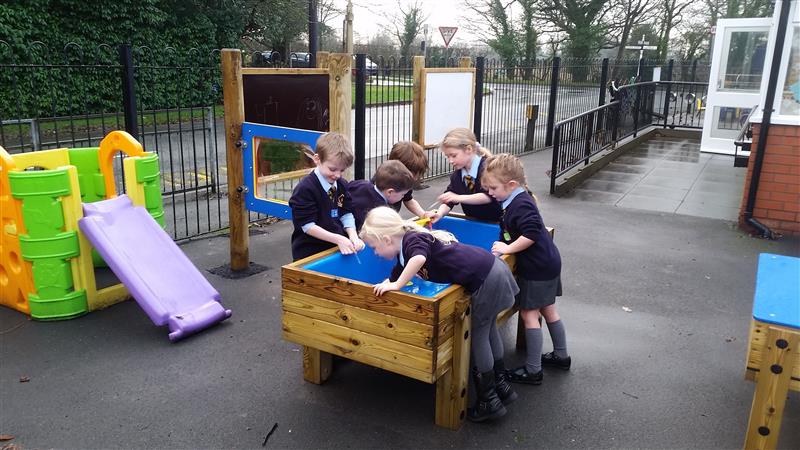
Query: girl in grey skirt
[[438, 257], [523, 233]]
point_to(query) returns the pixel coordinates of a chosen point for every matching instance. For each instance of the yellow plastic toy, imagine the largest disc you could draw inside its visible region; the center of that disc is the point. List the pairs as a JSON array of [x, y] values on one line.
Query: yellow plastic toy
[[46, 264]]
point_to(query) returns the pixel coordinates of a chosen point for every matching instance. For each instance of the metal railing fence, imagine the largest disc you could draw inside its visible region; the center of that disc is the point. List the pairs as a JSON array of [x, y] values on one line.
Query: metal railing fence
[[633, 108], [74, 96]]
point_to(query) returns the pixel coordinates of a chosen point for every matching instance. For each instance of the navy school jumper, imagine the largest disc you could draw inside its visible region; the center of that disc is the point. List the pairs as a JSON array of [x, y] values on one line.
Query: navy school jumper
[[310, 203]]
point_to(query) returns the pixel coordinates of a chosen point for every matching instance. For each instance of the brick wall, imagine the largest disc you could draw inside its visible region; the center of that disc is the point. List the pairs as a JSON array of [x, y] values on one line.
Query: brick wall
[[778, 198]]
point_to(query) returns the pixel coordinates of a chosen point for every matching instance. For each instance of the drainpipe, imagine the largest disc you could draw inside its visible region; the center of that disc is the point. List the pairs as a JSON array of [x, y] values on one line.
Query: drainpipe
[[765, 121]]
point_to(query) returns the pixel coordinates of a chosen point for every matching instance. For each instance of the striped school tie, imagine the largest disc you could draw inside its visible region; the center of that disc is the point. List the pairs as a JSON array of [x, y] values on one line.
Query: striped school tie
[[332, 193], [470, 182]]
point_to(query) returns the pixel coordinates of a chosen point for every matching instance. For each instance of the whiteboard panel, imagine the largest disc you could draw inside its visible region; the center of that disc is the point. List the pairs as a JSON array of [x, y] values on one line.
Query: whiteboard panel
[[448, 103]]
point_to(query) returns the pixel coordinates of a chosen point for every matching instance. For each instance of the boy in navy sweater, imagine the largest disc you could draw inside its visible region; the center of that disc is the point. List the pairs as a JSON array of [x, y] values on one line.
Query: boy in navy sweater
[[412, 155], [391, 183], [321, 210]]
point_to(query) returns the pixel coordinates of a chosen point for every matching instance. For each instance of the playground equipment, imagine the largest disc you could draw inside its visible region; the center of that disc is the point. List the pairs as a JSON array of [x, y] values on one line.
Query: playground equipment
[[55, 205]]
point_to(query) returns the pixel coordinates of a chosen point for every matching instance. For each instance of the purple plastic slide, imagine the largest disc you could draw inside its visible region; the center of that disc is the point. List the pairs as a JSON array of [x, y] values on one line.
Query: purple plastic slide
[[159, 276]]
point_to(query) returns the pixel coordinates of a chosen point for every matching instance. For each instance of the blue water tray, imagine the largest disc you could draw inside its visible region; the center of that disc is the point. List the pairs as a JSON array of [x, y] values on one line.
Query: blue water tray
[[369, 268]]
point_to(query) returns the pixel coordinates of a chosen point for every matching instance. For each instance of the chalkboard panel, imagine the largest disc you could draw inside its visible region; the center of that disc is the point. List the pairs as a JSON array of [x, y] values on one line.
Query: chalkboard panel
[[287, 100]]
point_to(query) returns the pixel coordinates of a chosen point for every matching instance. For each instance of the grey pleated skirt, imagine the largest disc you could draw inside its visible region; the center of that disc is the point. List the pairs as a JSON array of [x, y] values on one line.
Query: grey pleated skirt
[[495, 294], [535, 294]]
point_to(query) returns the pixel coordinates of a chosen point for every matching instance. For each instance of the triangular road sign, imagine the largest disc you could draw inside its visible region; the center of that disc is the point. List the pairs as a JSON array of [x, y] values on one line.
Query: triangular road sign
[[447, 34]]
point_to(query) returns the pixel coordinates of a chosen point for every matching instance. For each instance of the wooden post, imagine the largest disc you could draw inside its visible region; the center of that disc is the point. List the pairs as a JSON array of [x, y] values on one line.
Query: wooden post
[[341, 96], [322, 59], [775, 373], [416, 108], [451, 387], [465, 62], [348, 28], [317, 365], [234, 116], [531, 113]]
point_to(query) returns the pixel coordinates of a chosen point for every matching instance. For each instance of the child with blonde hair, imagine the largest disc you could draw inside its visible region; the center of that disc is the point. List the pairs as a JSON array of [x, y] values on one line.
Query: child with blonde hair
[[468, 158], [437, 256], [523, 233]]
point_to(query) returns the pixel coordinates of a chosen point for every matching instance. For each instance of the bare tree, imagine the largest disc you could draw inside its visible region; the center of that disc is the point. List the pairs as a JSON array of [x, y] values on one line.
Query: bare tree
[[626, 14], [672, 15], [581, 20], [491, 21], [406, 25]]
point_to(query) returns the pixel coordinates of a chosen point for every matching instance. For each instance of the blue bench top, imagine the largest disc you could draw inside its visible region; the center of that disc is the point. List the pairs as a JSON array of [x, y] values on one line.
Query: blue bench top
[[777, 297]]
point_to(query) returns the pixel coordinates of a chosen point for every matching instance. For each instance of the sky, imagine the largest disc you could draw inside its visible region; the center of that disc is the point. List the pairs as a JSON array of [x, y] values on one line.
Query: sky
[[368, 18]]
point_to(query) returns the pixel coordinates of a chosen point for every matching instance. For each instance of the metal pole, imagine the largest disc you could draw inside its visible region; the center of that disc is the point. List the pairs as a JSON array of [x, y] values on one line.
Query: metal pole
[[669, 90], [128, 91], [554, 166], [361, 114], [480, 69], [313, 38], [551, 109], [769, 103], [603, 82]]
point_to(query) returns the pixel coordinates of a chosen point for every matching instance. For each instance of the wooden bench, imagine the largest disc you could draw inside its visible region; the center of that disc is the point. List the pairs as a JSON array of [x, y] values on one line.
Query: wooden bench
[[773, 361]]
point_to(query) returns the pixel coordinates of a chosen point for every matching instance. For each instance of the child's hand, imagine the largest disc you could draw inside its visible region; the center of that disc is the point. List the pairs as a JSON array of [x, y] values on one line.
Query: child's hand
[[434, 215], [428, 214], [385, 286], [346, 246], [358, 244], [448, 197], [499, 248]]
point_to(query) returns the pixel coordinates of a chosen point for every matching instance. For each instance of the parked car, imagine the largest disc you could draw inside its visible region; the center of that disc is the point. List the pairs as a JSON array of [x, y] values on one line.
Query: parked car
[[300, 59], [372, 68]]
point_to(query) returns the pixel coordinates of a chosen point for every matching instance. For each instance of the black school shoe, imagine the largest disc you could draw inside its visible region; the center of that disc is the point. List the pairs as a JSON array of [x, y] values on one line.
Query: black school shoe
[[552, 360], [521, 375]]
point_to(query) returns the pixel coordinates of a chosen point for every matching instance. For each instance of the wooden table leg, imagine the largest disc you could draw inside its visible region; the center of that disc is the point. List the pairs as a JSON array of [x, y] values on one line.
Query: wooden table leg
[[451, 388], [317, 365], [772, 386]]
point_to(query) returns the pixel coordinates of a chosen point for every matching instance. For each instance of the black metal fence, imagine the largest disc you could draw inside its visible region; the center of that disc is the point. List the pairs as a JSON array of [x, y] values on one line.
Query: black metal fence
[[634, 107], [72, 97]]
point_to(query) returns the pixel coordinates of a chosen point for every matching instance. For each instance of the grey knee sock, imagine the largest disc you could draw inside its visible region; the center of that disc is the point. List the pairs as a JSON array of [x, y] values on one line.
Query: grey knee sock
[[533, 339], [496, 342], [559, 336]]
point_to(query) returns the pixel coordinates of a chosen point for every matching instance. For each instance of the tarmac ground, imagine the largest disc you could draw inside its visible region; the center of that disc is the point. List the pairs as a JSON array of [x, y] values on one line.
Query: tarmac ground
[[656, 305]]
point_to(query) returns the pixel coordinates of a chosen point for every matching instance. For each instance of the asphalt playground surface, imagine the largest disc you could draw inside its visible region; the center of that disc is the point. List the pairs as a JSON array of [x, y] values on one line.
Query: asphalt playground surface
[[656, 306]]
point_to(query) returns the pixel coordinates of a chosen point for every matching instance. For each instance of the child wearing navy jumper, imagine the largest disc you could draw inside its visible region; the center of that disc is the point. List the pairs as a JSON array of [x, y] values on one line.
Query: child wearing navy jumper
[[321, 210], [391, 183], [538, 266], [438, 257], [412, 155], [468, 158]]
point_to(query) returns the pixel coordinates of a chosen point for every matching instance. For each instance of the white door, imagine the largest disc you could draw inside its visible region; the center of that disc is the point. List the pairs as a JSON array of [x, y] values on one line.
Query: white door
[[739, 64]]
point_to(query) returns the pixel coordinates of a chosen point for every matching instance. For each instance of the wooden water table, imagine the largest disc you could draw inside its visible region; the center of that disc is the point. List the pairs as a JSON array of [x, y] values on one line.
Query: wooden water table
[[422, 332], [773, 361]]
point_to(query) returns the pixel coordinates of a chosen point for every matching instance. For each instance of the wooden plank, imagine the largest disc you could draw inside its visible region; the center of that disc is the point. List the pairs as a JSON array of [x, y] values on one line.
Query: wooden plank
[[378, 351], [283, 71], [284, 176], [449, 69], [234, 116], [756, 352], [317, 365], [322, 59], [384, 325], [398, 304], [445, 357], [769, 400], [451, 387]]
